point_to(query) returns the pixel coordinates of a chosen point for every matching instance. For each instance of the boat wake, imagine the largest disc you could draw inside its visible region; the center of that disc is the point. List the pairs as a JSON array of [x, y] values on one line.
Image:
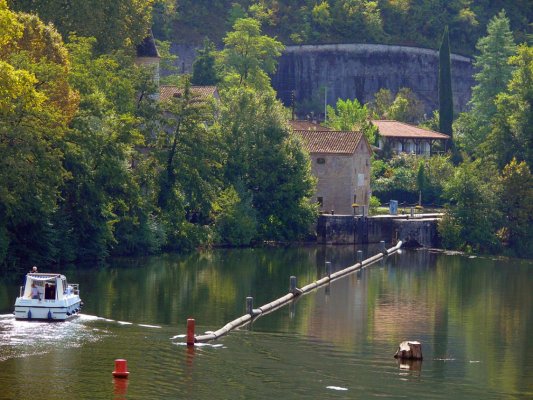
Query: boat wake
[[22, 338]]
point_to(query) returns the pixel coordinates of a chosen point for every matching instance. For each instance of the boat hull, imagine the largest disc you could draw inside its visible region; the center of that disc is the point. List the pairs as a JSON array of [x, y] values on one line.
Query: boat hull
[[51, 310]]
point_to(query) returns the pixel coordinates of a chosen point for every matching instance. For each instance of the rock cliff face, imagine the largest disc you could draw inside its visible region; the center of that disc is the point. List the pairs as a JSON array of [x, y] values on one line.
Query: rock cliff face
[[350, 71]]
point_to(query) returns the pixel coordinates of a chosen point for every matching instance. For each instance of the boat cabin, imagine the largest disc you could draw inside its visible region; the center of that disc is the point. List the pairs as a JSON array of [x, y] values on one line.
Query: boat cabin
[[49, 286]]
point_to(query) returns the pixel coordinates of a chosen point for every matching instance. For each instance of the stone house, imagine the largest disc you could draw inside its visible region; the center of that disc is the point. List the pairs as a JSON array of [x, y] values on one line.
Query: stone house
[[405, 138], [341, 163]]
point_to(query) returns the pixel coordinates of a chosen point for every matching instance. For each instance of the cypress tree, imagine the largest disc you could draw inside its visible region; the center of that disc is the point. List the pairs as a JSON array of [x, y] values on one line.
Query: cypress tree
[[203, 68], [445, 86]]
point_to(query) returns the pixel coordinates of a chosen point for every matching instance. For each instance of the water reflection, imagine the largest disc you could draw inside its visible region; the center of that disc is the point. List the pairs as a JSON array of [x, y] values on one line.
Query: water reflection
[[342, 335]]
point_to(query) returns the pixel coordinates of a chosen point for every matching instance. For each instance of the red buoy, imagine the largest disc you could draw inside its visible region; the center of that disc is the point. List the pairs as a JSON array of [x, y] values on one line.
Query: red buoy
[[121, 369], [190, 332]]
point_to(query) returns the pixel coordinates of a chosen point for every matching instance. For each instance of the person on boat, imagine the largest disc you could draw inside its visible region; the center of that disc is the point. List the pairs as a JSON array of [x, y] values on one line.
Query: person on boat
[[34, 292], [34, 269], [49, 292]]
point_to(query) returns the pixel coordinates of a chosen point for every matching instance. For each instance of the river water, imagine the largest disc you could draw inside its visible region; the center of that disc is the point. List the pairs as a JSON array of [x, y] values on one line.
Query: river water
[[473, 316]]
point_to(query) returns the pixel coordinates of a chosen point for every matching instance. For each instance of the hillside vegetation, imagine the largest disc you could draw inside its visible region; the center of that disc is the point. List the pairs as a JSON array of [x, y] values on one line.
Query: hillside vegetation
[[406, 22], [93, 165]]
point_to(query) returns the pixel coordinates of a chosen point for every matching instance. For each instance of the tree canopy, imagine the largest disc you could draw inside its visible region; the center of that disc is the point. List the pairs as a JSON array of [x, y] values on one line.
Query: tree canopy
[[249, 56], [115, 24], [405, 22]]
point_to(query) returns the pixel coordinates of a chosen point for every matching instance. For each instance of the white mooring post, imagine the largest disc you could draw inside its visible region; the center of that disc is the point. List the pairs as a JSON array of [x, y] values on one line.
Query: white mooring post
[[382, 247], [292, 284], [328, 269], [250, 305]]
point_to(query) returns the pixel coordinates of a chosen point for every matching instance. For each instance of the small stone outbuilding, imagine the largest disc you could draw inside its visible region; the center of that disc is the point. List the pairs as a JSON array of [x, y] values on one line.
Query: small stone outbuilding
[[340, 161]]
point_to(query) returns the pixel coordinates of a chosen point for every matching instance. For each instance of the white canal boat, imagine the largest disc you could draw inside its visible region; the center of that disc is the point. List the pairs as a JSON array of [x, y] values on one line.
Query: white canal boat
[[47, 296]]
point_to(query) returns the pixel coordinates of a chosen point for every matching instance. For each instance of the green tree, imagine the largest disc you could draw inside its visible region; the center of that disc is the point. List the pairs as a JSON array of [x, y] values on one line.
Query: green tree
[[115, 25], [103, 208], [35, 106], [350, 115], [512, 132], [269, 161], [492, 78], [421, 181], [516, 200], [189, 152], [381, 104], [445, 86], [234, 217], [472, 214], [203, 68], [406, 107], [248, 56]]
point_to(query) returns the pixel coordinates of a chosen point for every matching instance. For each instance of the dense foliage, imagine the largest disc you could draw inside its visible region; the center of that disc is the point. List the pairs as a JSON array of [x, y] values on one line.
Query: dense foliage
[[491, 192], [92, 164], [406, 22], [115, 24], [408, 179], [350, 115]]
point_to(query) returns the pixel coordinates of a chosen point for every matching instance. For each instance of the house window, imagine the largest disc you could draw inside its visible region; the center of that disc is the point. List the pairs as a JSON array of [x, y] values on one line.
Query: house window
[[320, 201], [320, 160]]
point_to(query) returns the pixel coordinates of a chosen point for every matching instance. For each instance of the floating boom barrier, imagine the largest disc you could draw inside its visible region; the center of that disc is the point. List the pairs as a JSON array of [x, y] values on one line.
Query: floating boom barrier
[[294, 292]]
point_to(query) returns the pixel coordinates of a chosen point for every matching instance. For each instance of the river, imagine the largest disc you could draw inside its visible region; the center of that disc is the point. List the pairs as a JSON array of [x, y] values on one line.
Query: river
[[473, 316]]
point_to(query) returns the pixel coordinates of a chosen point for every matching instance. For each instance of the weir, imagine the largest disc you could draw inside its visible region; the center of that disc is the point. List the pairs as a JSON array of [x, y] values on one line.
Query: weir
[[415, 230], [294, 292]]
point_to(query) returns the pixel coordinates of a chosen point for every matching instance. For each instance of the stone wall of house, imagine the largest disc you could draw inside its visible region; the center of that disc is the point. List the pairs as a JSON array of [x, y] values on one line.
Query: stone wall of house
[[337, 180], [361, 166], [360, 70], [335, 183]]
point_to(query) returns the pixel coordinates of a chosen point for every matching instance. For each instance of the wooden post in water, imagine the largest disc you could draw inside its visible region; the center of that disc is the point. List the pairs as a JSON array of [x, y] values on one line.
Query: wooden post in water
[[382, 247], [250, 305], [409, 350], [359, 256], [190, 332], [328, 269], [292, 284]]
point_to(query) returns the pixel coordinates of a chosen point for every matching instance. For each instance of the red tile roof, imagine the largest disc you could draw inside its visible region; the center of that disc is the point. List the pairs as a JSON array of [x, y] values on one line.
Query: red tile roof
[[333, 142], [402, 130], [302, 125], [167, 92]]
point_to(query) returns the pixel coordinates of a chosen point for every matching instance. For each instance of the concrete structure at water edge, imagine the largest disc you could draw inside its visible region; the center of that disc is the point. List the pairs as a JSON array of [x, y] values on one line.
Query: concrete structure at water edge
[[417, 231], [340, 161]]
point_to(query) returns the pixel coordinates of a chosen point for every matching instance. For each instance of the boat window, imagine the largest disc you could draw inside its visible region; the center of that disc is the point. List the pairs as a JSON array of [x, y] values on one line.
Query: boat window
[[50, 291]]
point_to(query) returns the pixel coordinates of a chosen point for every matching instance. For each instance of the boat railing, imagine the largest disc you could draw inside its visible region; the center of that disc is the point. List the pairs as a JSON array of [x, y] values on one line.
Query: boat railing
[[21, 291], [75, 288]]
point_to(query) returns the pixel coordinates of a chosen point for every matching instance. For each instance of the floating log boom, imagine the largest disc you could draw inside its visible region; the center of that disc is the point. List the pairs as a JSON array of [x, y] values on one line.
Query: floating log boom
[[295, 292]]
